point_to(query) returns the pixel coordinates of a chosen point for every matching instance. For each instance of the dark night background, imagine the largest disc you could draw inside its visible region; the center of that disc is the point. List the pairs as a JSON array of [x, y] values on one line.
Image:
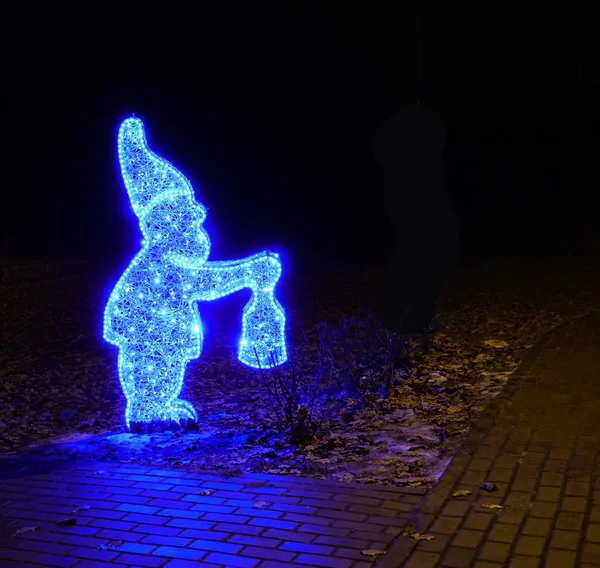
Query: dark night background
[[269, 110]]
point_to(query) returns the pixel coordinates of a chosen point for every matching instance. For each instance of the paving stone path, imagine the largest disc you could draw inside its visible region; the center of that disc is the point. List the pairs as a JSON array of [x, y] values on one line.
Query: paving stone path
[[539, 442], [175, 519]]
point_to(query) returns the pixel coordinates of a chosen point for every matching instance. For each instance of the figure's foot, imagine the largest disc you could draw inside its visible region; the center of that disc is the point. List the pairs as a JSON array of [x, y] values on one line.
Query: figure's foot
[[178, 410], [183, 410]]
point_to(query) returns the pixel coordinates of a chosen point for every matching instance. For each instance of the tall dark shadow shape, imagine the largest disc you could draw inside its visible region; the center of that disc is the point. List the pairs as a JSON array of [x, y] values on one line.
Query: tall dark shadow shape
[[409, 147]]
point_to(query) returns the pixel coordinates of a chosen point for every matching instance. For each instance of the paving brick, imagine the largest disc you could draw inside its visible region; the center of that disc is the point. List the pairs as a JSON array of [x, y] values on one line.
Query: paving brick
[[112, 534], [313, 519], [577, 488], [321, 530], [547, 493], [260, 541], [157, 529], [593, 533], [567, 540], [300, 509], [176, 552], [458, 557], [168, 503], [154, 486], [232, 561], [205, 535], [241, 529], [552, 479], [341, 541], [136, 547], [188, 523], [438, 544], [560, 559], [112, 524], [288, 535], [172, 495], [268, 553], [573, 504], [264, 513], [495, 552], [307, 548], [325, 561], [166, 540], [445, 525], [468, 538], [591, 553], [93, 553], [204, 508], [370, 536], [145, 519], [473, 478], [420, 559], [499, 475], [543, 510], [276, 524], [35, 546], [358, 500], [502, 532], [20, 557], [218, 546], [478, 521], [142, 560], [225, 518], [456, 508], [114, 499], [530, 545]]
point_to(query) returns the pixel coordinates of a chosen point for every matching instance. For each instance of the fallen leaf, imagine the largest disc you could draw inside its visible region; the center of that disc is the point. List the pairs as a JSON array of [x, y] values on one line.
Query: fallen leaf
[[26, 530], [461, 493], [372, 552], [110, 544], [406, 529], [492, 506], [261, 505], [418, 536], [489, 487], [497, 343], [66, 522], [78, 508]]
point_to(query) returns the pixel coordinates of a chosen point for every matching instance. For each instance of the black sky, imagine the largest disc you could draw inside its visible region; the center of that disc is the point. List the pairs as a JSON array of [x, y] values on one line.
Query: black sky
[[269, 109]]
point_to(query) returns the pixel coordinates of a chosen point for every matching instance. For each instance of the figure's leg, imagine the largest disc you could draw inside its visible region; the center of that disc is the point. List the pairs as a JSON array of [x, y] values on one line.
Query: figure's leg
[[151, 384]]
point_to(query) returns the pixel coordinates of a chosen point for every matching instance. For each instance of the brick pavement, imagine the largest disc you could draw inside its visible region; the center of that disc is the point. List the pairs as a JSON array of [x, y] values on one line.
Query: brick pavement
[[539, 442], [175, 519]]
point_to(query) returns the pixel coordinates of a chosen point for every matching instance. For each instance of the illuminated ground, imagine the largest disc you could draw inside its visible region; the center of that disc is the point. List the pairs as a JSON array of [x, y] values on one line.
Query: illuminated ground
[[57, 378]]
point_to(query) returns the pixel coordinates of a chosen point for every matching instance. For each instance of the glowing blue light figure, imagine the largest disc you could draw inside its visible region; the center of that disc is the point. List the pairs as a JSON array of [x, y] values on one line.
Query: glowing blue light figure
[[151, 315]]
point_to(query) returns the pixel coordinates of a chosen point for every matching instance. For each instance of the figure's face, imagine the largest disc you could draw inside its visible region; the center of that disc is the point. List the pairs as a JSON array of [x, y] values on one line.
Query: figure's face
[[176, 228]]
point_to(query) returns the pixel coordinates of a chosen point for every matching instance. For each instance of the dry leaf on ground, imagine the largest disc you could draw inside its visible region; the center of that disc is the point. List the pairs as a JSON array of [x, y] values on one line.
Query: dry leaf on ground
[[372, 552], [110, 544], [497, 343], [25, 530], [461, 493], [418, 536]]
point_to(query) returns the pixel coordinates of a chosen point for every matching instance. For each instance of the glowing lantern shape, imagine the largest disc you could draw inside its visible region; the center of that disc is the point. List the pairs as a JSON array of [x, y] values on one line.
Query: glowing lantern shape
[[151, 315]]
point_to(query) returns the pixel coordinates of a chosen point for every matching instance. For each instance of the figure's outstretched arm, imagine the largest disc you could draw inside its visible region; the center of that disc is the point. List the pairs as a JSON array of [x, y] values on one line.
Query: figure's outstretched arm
[[262, 343]]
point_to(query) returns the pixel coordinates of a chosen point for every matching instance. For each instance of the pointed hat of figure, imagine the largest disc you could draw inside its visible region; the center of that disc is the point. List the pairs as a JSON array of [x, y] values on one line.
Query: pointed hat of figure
[[149, 179]]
